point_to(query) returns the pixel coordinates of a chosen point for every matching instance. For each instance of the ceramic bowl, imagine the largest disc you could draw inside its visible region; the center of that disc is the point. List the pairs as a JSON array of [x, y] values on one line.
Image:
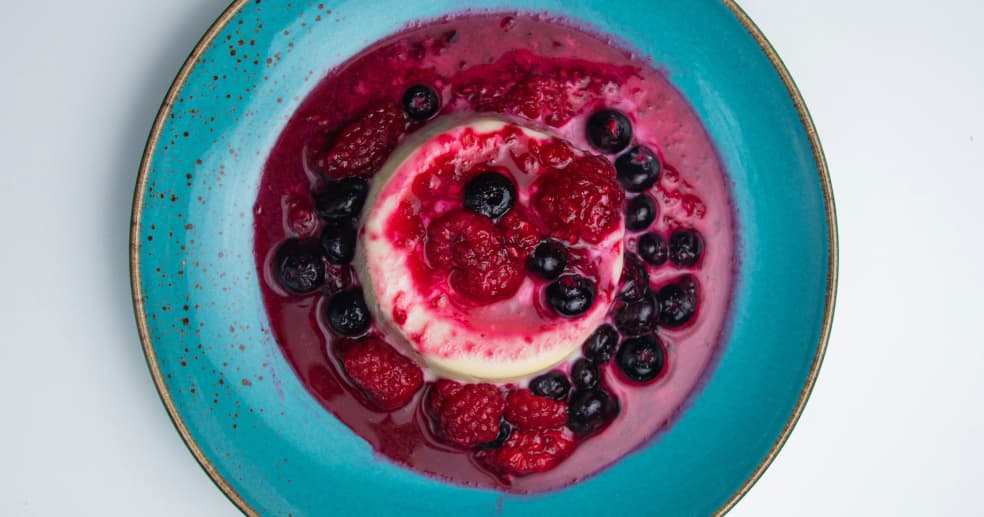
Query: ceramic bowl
[[275, 451]]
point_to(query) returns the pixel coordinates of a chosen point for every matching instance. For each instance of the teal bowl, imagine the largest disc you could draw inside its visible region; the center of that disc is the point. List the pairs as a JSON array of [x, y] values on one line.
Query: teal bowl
[[264, 439]]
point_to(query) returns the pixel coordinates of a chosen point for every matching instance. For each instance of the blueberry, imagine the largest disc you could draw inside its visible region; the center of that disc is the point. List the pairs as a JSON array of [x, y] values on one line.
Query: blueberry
[[678, 302], [571, 295], [640, 212], [686, 248], [553, 385], [609, 131], [347, 313], [421, 102], [490, 194], [600, 345], [342, 200], [584, 374], [641, 358], [298, 266], [638, 169], [635, 278], [637, 317], [500, 439], [652, 248], [590, 410], [338, 243], [548, 260]]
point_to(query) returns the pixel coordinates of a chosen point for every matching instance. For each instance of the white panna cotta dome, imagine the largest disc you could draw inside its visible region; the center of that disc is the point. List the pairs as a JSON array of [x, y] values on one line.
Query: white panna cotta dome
[[497, 341]]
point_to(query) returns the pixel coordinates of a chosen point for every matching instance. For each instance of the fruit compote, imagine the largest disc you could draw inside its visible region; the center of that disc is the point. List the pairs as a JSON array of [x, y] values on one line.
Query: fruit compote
[[498, 247]]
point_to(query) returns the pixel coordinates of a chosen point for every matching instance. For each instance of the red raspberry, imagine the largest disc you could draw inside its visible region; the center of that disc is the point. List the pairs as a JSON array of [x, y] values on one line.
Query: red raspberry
[[529, 451], [462, 239], [387, 378], [553, 90], [364, 145], [557, 100], [582, 201], [497, 279], [474, 251], [439, 392], [554, 153], [529, 411], [524, 84], [484, 86], [471, 416], [520, 232]]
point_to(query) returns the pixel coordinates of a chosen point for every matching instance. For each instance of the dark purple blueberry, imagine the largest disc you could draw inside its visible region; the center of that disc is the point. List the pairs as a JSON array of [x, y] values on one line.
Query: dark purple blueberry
[[548, 260], [609, 131], [641, 358], [640, 212], [638, 169], [686, 248], [635, 278], [601, 344], [347, 313], [584, 374], [553, 385], [298, 266], [652, 248], [500, 439], [421, 102], [590, 410], [637, 317], [342, 200], [571, 295], [490, 194], [338, 243], [678, 302]]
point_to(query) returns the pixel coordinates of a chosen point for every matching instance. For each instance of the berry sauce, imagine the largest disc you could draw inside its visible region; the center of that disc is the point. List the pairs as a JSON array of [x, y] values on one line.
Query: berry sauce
[[482, 63]]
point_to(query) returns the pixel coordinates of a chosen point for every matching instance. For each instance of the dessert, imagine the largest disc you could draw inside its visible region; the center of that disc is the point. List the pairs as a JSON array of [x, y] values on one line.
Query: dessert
[[444, 268], [499, 248]]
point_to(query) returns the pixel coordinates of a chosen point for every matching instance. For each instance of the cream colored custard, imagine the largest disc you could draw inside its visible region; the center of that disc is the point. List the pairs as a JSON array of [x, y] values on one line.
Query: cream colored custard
[[500, 341]]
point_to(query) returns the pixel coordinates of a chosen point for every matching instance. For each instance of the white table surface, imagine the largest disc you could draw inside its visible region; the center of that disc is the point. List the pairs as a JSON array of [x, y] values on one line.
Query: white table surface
[[895, 426]]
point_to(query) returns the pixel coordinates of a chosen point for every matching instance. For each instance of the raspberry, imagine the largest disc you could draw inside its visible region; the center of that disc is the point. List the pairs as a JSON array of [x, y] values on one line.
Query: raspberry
[[387, 378], [529, 411], [363, 145], [520, 232], [439, 392], [471, 416], [557, 100], [497, 279], [473, 249], [552, 90], [461, 239], [581, 201], [529, 452], [554, 153]]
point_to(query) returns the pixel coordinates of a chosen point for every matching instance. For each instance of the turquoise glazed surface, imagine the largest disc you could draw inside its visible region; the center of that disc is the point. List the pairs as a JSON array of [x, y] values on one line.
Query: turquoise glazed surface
[[276, 451]]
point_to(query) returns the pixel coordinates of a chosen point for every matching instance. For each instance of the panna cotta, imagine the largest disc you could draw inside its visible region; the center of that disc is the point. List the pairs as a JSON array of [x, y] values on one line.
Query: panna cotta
[[418, 287]]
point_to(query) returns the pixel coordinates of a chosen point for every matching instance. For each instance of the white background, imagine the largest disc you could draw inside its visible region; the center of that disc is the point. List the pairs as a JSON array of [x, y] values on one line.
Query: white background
[[895, 426]]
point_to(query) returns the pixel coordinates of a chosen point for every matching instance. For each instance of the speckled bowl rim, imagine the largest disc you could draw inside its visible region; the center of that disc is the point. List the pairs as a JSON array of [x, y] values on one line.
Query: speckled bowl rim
[[141, 315]]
